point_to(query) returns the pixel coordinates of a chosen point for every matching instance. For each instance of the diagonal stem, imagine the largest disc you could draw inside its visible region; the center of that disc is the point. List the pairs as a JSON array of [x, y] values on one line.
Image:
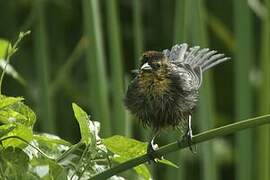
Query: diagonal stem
[[199, 138]]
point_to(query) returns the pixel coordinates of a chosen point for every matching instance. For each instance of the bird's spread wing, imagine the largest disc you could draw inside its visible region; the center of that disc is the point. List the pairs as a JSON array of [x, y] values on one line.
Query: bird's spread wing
[[177, 53], [194, 56], [195, 60], [191, 79]]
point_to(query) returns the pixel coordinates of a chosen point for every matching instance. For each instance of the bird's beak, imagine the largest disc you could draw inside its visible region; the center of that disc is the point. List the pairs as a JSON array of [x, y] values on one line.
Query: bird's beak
[[146, 67]]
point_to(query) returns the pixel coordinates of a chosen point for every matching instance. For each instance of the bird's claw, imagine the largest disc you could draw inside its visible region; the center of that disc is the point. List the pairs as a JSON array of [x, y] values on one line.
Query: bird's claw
[[188, 137], [151, 148]]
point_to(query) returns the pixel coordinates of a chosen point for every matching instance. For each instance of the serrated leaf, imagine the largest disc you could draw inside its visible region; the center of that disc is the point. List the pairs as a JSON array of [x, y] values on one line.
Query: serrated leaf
[[5, 46], [8, 101], [84, 123]]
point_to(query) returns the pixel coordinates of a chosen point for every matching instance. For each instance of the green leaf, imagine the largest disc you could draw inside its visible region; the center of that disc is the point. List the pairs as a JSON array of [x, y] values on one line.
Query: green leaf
[[84, 123], [167, 162], [5, 129], [4, 44], [20, 131], [47, 169], [52, 139], [141, 170], [18, 114], [10, 70], [124, 146], [51, 145], [28, 113], [14, 162], [8, 101], [128, 148]]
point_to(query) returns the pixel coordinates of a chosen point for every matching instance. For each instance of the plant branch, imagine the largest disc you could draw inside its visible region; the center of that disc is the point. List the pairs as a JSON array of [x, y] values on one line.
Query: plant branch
[[199, 138]]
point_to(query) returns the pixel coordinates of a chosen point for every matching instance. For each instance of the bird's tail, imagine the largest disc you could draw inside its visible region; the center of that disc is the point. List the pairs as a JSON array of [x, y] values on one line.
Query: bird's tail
[[195, 56]]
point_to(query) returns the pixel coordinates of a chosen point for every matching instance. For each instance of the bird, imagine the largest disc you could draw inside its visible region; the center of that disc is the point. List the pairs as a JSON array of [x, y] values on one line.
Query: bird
[[165, 90]]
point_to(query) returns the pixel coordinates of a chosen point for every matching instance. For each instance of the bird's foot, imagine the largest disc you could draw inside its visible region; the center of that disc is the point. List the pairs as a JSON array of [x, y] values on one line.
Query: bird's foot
[[151, 148], [187, 138]]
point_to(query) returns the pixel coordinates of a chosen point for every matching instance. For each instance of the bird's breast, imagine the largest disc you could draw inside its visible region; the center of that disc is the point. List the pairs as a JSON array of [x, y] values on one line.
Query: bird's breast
[[153, 85]]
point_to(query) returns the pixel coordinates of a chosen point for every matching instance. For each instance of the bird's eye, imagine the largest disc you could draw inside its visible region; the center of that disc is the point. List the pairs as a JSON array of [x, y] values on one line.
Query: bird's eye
[[144, 59]]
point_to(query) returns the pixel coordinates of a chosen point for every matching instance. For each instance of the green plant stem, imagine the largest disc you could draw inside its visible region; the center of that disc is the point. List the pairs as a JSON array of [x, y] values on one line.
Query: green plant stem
[[26, 142], [201, 137], [69, 151], [4, 70], [9, 52]]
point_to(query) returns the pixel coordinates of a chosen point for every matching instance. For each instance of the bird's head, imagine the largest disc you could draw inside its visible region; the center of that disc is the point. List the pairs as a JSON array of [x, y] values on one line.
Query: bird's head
[[154, 73], [154, 63]]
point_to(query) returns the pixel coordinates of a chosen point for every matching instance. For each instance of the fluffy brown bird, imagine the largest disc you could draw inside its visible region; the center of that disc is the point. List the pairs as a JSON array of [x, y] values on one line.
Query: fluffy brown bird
[[165, 91]]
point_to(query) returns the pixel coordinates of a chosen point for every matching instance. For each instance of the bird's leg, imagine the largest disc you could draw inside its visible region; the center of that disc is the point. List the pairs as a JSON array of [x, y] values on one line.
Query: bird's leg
[[188, 136], [151, 148]]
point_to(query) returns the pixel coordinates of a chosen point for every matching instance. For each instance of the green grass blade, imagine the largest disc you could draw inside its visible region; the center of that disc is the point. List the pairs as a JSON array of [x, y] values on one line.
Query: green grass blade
[[179, 36], [116, 62], [263, 160], [180, 21], [96, 66], [206, 101], [243, 54], [45, 102], [137, 29], [222, 32]]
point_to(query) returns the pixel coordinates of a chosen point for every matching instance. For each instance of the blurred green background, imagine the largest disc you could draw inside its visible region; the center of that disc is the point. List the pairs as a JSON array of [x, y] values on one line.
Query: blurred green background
[[84, 51]]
